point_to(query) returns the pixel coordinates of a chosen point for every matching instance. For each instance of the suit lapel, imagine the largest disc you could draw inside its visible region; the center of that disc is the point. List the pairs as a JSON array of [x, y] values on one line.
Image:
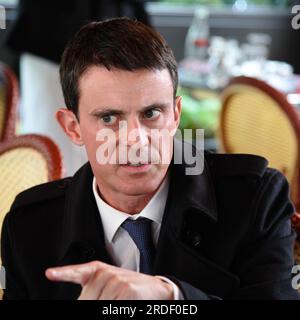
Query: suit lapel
[[190, 211], [83, 237], [82, 231], [189, 197]]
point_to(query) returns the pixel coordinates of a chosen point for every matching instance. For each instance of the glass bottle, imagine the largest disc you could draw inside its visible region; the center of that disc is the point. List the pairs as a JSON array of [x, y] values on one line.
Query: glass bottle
[[196, 42]]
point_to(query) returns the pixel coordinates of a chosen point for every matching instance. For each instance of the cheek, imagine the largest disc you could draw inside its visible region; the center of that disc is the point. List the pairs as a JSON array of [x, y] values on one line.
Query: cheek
[[89, 135], [89, 131], [169, 125], [169, 119]]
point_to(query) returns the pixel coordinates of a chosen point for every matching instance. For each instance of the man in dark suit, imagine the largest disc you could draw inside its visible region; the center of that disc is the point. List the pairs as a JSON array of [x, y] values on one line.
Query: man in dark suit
[[144, 229]]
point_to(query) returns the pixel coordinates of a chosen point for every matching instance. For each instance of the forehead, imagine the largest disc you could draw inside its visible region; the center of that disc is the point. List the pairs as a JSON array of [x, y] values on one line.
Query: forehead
[[98, 84]]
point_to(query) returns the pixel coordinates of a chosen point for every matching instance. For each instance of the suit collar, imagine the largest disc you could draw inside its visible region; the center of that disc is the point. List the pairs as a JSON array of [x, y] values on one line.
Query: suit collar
[[82, 223], [192, 191], [82, 226]]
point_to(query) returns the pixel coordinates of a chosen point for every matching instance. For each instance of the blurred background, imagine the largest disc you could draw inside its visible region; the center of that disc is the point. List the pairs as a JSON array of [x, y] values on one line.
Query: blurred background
[[234, 37], [227, 18]]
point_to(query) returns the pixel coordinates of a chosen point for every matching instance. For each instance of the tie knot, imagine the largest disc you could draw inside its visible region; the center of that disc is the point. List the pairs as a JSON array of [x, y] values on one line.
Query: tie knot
[[142, 221], [139, 229]]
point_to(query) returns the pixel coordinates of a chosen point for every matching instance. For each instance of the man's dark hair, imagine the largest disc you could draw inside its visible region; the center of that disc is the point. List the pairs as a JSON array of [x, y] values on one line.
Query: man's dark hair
[[119, 43]]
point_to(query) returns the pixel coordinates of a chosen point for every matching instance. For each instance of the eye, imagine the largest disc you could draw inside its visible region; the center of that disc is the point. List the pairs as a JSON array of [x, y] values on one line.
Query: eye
[[109, 119], [151, 114]]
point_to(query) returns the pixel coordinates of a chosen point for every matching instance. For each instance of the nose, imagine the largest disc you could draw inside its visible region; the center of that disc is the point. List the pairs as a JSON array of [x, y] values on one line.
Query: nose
[[136, 133]]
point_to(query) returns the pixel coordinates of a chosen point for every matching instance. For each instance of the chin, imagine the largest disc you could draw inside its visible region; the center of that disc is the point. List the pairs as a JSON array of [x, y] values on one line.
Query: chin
[[138, 188]]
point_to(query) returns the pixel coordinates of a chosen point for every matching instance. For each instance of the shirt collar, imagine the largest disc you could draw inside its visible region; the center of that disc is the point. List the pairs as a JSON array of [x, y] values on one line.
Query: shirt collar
[[113, 218]]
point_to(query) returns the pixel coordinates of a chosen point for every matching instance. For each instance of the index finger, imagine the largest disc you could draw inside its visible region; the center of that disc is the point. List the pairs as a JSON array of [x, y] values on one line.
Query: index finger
[[79, 273]]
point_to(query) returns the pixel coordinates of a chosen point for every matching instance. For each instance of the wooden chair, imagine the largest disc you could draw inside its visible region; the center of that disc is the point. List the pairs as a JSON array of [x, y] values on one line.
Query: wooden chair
[[26, 161], [258, 119], [9, 98]]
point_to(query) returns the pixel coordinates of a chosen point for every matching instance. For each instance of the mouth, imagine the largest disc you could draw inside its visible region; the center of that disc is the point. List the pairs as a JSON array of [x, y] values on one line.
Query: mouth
[[136, 167], [135, 164]]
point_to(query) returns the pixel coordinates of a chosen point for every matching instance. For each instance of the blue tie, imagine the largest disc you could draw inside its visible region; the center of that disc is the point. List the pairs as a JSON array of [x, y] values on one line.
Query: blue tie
[[140, 232]]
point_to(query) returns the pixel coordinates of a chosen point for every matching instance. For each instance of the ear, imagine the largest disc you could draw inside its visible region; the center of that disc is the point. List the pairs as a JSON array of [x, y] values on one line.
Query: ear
[[177, 110], [69, 123]]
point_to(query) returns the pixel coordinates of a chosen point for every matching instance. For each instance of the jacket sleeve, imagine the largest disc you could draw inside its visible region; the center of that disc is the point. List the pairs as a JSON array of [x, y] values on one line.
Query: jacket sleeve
[[15, 289], [264, 259], [266, 256], [189, 292]]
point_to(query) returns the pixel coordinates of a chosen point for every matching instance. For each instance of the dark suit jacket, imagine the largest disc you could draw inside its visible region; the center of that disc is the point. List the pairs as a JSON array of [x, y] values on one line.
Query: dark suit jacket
[[44, 27], [225, 233]]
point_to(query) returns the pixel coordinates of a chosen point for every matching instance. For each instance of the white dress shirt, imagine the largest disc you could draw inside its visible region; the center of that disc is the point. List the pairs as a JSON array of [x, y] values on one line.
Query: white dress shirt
[[118, 242]]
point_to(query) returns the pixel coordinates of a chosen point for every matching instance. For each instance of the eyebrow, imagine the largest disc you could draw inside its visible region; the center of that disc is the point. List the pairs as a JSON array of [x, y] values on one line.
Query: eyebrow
[[115, 111]]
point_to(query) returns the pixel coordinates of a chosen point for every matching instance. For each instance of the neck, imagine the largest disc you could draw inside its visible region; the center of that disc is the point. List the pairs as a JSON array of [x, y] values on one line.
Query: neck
[[130, 204]]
